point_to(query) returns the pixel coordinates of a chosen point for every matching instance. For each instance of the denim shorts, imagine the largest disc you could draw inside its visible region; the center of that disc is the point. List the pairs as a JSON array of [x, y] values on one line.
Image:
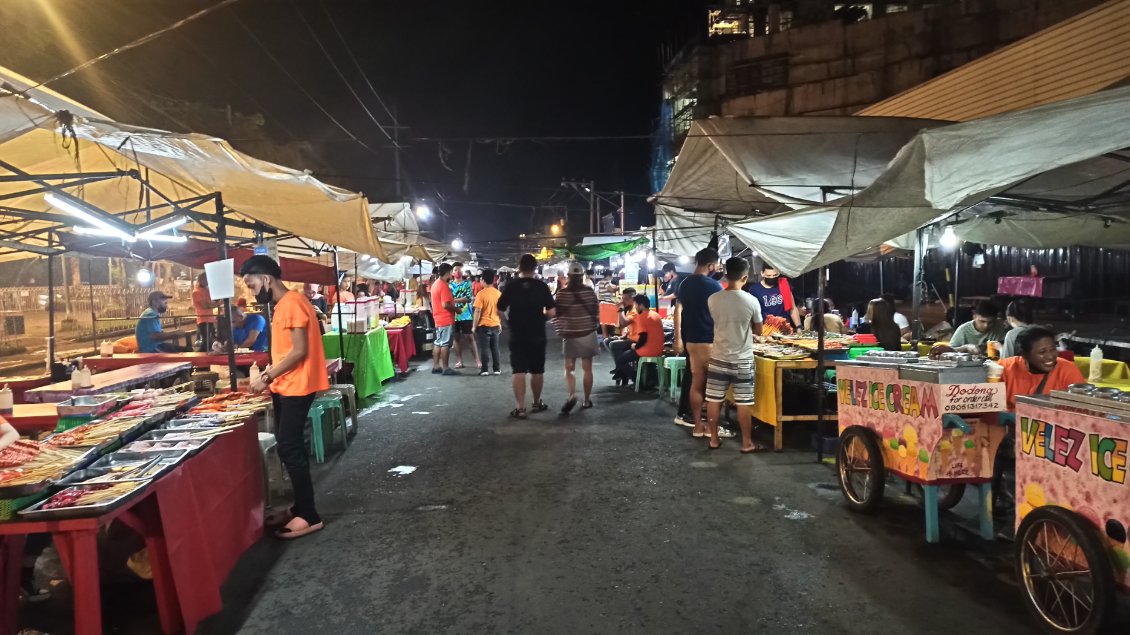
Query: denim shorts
[[443, 336]]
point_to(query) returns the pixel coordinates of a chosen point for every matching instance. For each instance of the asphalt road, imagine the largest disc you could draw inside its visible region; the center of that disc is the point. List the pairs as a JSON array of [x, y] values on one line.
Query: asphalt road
[[612, 520]]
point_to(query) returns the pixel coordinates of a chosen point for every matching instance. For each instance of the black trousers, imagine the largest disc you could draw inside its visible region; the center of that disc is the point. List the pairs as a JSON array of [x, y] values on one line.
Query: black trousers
[[685, 395], [205, 333], [291, 413]]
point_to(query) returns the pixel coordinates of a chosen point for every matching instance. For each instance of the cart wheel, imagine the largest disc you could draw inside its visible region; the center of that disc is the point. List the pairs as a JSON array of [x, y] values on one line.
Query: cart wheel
[[948, 495], [860, 466], [1065, 571]]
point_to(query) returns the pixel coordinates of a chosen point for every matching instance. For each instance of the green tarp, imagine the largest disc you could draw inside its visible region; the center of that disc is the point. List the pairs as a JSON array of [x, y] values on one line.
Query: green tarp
[[601, 251]]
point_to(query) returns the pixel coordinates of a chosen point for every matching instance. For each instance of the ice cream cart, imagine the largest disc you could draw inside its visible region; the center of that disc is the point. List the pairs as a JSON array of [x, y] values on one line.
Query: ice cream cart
[[1073, 508], [932, 423]]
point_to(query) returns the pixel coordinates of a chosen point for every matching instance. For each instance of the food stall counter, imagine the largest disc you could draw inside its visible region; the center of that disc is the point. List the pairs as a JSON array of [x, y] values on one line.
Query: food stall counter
[[123, 379], [198, 360]]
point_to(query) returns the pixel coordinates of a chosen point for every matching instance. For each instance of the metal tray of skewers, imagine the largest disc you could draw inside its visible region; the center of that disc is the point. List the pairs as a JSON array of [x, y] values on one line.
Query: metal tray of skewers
[[194, 422], [87, 405], [78, 501], [83, 457], [191, 441], [120, 467]]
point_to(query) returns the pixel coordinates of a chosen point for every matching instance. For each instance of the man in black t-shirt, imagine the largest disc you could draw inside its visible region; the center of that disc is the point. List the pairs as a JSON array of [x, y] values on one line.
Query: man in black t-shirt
[[527, 303]]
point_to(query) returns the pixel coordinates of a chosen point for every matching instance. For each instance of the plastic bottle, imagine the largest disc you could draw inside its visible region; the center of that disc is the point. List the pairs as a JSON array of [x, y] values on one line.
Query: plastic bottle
[[854, 319], [6, 400], [76, 379], [1096, 373], [85, 380], [254, 372]]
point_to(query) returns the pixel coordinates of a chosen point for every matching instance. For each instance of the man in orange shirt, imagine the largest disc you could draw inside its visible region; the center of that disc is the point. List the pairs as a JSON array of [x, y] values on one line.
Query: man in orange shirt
[[296, 374], [647, 333], [486, 325], [443, 314], [203, 305]]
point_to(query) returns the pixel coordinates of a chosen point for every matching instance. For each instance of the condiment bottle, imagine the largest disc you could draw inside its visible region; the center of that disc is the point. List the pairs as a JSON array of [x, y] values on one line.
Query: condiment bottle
[[254, 372], [76, 379], [6, 400], [1096, 373], [86, 381]]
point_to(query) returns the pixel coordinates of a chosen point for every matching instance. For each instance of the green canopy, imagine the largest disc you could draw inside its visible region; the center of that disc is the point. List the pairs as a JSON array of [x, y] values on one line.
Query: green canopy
[[602, 250]]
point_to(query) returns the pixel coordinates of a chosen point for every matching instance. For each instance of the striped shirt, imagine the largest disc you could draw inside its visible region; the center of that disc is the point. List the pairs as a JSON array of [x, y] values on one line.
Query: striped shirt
[[578, 312]]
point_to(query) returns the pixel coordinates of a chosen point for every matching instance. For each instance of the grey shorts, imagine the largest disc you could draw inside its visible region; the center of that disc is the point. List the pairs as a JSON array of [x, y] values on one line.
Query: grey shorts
[[580, 347], [443, 336]]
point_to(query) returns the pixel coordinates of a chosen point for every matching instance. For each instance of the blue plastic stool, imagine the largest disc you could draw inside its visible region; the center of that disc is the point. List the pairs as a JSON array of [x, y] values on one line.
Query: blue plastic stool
[[675, 366], [660, 371], [333, 416], [317, 433]]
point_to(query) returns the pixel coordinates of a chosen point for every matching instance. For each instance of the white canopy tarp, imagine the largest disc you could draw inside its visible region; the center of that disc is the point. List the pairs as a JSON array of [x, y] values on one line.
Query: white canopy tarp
[[179, 166], [764, 165], [399, 233], [1066, 160]]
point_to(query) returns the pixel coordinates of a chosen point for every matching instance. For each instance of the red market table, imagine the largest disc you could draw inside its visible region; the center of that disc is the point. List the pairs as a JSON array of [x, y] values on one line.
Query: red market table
[[30, 418], [197, 521], [20, 385], [402, 346], [114, 380], [198, 360]]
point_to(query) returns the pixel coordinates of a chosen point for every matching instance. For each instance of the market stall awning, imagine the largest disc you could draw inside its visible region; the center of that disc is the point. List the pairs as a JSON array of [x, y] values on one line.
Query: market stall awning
[[192, 253], [44, 133], [755, 166], [1065, 161], [602, 250]]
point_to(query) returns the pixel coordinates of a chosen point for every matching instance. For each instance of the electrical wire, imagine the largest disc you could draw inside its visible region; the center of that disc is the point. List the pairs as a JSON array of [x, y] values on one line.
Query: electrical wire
[[341, 75], [132, 45], [302, 88], [358, 65]]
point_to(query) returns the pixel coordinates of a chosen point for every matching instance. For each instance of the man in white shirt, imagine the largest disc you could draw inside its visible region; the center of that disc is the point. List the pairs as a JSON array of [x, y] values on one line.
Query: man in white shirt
[[737, 321]]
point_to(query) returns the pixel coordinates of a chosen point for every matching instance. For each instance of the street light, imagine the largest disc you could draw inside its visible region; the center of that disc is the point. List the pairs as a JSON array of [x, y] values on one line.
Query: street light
[[457, 244], [423, 212]]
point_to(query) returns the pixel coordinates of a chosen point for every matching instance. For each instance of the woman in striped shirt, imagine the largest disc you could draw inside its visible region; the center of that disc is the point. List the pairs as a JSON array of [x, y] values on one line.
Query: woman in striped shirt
[[578, 313]]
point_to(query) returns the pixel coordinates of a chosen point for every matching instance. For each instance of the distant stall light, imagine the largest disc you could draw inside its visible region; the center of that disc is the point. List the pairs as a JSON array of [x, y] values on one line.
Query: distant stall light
[[949, 239], [684, 260], [457, 244], [144, 277], [423, 212]]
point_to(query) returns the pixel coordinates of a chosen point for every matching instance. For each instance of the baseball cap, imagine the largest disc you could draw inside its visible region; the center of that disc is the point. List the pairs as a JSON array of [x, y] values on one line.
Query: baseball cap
[[158, 295], [575, 269]]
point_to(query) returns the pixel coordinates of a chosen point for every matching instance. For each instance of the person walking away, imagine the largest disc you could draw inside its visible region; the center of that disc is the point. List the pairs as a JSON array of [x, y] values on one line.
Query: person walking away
[[578, 317], [647, 328], [443, 314], [737, 321], [296, 374], [670, 286], [204, 307], [486, 324], [694, 333], [150, 336], [527, 303], [774, 295], [462, 335]]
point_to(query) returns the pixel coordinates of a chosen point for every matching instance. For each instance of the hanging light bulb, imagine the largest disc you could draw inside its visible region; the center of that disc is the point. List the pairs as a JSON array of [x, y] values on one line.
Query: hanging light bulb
[[423, 212], [144, 277], [457, 244], [949, 239], [684, 260]]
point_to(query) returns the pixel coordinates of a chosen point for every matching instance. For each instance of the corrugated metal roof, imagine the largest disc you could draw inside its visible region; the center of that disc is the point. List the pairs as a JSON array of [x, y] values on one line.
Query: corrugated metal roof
[[1079, 56]]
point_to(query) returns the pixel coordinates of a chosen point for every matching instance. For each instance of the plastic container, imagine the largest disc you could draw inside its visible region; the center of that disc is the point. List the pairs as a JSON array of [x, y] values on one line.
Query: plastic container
[[85, 378], [1096, 372], [6, 400], [76, 379]]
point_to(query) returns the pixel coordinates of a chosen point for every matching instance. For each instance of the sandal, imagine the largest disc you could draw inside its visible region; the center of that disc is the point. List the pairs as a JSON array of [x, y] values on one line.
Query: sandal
[[290, 533], [715, 447], [518, 413], [539, 407], [586, 404], [569, 405], [757, 447]]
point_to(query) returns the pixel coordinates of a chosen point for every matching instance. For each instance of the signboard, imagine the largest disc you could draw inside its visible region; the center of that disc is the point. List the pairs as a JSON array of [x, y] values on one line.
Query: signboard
[[908, 417], [1078, 460]]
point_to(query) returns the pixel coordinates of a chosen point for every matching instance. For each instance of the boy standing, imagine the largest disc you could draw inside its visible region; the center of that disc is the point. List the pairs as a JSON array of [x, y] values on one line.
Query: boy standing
[[737, 320], [443, 314], [487, 326]]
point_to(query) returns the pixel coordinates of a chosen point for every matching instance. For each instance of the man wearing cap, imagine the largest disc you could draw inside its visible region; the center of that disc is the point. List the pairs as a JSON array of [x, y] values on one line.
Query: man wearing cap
[[150, 337]]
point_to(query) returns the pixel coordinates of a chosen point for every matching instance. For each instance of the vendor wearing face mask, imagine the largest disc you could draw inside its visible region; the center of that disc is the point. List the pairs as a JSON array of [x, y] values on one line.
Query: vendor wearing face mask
[[296, 374], [774, 294], [150, 337]]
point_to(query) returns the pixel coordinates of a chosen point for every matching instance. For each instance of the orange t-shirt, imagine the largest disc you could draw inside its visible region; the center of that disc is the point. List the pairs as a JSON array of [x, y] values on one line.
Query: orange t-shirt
[[651, 324], [487, 304], [441, 292], [294, 311], [202, 306], [1018, 380]]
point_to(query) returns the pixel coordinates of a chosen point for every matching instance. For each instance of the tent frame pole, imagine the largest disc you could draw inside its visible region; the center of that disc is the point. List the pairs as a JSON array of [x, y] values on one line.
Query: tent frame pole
[[917, 286], [50, 307], [818, 322], [337, 306], [222, 236], [93, 314]]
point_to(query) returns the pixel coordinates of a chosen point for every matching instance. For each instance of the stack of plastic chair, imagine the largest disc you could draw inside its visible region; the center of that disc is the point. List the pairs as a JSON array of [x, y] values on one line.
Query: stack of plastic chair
[[675, 367], [333, 416], [349, 394], [314, 421], [660, 370]]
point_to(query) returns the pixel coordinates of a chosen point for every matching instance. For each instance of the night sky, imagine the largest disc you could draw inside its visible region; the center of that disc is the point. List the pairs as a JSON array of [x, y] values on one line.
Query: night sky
[[455, 70]]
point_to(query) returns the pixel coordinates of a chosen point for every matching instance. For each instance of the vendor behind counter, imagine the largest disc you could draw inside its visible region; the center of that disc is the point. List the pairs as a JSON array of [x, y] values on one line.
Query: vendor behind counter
[[1037, 369]]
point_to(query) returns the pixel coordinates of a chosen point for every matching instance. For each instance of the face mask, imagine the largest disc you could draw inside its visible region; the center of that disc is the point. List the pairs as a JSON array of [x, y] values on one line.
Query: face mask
[[772, 282], [264, 295]]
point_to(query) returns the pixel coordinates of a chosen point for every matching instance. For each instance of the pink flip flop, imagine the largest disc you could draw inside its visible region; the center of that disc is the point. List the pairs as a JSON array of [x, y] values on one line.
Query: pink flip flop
[[291, 533]]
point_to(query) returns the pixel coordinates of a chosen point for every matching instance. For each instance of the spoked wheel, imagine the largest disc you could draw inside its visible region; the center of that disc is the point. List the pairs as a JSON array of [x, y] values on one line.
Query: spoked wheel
[[859, 464], [948, 495], [1065, 571]]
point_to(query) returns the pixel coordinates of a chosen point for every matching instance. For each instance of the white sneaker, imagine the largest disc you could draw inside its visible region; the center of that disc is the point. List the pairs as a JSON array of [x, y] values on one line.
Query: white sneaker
[[483, 374], [497, 372], [680, 421]]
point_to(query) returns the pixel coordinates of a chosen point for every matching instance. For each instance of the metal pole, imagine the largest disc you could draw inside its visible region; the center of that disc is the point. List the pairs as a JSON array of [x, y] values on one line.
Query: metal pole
[[818, 322], [396, 149], [881, 275], [956, 279], [592, 207], [222, 237], [916, 288], [93, 315], [337, 306], [650, 272], [623, 227], [50, 310]]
